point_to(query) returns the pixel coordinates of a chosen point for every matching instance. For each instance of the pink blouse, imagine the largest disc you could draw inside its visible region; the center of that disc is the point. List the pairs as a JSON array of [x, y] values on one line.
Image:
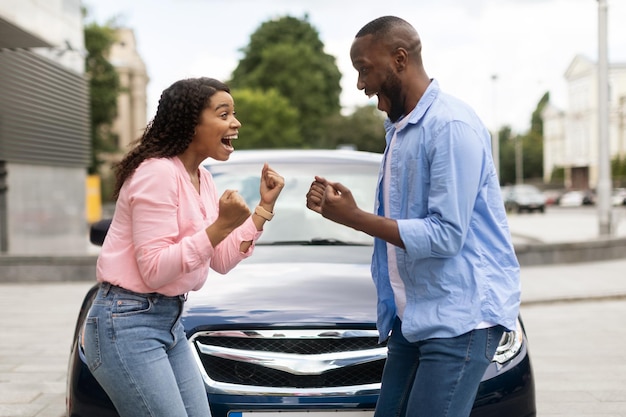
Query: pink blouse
[[157, 240]]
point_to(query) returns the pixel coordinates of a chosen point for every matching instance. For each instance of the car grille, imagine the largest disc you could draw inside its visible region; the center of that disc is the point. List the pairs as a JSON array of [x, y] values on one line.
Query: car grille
[[290, 359]]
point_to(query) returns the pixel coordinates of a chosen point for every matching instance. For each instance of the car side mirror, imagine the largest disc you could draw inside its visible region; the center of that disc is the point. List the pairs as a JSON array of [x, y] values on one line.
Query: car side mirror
[[98, 231]]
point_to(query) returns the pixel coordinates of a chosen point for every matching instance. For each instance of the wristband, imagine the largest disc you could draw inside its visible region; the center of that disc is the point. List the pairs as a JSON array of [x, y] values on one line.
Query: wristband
[[261, 212]]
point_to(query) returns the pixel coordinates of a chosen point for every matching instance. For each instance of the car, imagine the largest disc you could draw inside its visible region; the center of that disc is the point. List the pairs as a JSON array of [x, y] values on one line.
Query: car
[[552, 196], [523, 197], [292, 329], [577, 198], [618, 197]]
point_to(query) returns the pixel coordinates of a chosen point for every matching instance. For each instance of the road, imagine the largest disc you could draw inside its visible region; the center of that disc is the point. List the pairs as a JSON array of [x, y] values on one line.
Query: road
[[578, 355], [564, 224], [577, 346]]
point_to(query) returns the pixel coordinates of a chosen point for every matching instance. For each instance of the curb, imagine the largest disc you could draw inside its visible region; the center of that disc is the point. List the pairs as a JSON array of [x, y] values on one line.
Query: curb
[[600, 249], [32, 268]]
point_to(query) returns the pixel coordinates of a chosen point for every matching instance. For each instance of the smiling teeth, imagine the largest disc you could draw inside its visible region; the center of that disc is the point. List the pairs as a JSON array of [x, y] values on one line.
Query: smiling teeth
[[371, 95], [231, 137]]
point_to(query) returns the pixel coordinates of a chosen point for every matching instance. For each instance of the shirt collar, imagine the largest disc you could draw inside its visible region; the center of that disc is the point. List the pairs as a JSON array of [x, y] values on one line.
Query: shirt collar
[[419, 110]]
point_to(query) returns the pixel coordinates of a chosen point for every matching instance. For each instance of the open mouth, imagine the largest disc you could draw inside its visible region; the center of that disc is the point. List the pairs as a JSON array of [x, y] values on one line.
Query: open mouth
[[370, 95], [228, 140]]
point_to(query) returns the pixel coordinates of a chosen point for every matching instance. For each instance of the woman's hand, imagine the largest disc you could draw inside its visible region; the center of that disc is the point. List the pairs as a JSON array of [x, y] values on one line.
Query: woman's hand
[[233, 211], [271, 186]]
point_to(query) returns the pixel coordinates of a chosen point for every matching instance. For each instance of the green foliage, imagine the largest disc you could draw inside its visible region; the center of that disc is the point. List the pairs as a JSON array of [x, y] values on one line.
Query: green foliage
[[507, 155], [618, 171], [532, 148], [104, 88], [363, 129], [287, 55], [532, 144], [536, 121], [558, 175], [267, 120]]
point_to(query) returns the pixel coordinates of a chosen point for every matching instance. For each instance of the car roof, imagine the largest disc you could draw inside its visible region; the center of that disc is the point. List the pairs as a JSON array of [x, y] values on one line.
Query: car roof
[[298, 156]]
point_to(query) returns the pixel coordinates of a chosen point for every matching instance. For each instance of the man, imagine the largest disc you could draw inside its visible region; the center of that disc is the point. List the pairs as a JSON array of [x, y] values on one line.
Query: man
[[444, 265]]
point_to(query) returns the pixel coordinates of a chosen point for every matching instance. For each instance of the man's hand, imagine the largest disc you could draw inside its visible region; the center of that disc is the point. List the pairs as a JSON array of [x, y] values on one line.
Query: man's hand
[[315, 196], [332, 200]]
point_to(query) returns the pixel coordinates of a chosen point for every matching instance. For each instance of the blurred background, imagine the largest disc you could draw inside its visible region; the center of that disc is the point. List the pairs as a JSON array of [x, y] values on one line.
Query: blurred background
[[79, 81]]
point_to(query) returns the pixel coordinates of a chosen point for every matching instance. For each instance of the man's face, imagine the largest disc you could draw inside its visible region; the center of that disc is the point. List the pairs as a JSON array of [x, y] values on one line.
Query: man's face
[[377, 76]]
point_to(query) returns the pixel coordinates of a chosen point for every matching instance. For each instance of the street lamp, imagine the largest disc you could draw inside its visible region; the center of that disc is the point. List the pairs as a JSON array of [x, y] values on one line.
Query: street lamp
[[604, 162]]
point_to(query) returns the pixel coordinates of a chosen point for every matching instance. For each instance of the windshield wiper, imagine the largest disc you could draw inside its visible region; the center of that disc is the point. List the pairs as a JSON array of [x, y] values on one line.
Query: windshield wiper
[[314, 242]]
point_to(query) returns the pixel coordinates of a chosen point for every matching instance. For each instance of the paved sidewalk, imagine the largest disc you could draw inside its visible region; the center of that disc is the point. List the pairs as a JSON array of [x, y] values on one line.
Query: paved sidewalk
[[571, 282], [36, 330]]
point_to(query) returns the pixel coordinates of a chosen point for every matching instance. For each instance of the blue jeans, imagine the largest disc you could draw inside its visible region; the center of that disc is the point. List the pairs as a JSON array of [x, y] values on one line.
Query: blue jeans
[[435, 377], [136, 349]]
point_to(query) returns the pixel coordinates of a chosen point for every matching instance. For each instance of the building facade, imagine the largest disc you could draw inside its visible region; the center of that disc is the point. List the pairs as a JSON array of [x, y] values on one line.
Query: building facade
[[44, 128], [131, 118], [132, 102], [571, 135]]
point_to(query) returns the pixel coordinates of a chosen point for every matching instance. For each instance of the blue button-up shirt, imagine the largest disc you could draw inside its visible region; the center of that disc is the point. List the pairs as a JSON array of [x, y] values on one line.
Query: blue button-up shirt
[[458, 267]]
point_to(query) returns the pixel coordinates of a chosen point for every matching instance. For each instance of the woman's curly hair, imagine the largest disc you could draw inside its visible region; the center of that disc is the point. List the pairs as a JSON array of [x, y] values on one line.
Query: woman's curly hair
[[173, 126]]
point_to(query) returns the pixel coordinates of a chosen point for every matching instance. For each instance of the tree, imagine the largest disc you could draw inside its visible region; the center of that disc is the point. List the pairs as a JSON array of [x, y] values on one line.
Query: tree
[[104, 88], [507, 155], [532, 148], [287, 55], [533, 142], [267, 120], [618, 171], [364, 129]]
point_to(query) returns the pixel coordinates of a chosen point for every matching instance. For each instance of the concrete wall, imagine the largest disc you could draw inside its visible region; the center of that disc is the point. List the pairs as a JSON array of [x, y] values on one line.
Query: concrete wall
[[46, 206], [44, 129], [58, 22]]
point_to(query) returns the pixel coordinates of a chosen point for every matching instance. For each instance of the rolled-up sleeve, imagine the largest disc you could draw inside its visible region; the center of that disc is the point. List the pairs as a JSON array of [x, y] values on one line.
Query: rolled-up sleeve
[[455, 158]]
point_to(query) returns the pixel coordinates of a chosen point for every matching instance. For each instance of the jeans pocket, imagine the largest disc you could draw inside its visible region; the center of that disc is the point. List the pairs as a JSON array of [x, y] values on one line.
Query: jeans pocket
[[126, 306], [494, 336], [92, 344]]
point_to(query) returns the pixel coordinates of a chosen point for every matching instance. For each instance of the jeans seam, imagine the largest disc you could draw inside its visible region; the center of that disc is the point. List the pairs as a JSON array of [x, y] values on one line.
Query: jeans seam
[[133, 381], [468, 357], [406, 393]]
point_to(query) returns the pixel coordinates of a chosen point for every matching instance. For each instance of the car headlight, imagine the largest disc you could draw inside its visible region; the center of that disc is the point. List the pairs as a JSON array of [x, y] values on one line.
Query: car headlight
[[509, 345]]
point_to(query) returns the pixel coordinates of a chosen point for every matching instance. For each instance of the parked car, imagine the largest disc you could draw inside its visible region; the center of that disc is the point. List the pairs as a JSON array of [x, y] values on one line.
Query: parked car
[[577, 198], [618, 197], [292, 328], [523, 197], [552, 197]]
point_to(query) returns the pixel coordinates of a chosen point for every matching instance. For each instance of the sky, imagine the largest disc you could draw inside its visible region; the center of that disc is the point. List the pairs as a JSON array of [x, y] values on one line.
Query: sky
[[500, 56]]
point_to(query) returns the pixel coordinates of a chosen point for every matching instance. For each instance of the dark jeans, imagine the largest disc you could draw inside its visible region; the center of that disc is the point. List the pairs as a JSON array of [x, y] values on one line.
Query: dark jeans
[[435, 377]]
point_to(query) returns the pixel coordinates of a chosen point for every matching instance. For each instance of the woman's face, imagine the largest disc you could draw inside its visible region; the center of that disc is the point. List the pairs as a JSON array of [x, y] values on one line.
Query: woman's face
[[217, 128]]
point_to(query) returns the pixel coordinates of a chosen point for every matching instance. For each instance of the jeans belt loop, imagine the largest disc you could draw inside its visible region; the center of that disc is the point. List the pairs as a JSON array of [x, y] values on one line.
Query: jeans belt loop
[[105, 288]]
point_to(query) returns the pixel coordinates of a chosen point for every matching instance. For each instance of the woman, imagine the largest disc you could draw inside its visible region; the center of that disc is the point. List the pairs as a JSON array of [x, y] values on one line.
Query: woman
[[169, 227]]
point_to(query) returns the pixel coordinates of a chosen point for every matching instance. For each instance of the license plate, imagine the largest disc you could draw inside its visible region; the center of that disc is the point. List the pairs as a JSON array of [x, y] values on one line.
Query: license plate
[[334, 413]]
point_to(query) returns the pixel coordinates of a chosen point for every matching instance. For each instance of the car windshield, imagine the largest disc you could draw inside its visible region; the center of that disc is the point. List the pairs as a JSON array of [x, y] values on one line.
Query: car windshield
[[294, 223]]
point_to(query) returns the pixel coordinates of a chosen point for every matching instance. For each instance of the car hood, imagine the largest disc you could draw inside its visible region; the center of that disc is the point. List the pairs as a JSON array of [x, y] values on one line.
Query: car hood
[[287, 286]]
